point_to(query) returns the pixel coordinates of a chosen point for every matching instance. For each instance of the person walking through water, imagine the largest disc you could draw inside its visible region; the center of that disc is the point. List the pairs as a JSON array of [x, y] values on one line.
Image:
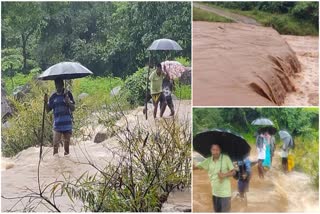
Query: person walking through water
[[267, 161], [167, 87], [156, 77], [287, 145], [243, 176], [62, 104], [220, 169], [261, 149]]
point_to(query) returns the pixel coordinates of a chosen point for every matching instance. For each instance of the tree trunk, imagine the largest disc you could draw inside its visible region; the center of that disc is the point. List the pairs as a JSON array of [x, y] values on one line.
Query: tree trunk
[[24, 52]]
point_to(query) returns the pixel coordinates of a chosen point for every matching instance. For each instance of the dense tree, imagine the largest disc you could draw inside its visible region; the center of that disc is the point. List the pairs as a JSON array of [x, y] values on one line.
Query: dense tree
[[20, 22], [110, 38], [299, 121]]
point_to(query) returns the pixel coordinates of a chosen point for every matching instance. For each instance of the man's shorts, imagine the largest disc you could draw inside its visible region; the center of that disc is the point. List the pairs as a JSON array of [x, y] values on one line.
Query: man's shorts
[[159, 97], [243, 185], [221, 204]]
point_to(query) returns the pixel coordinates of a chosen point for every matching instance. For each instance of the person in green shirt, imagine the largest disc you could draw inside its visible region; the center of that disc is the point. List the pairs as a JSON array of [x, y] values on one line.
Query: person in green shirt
[[220, 168], [156, 78]]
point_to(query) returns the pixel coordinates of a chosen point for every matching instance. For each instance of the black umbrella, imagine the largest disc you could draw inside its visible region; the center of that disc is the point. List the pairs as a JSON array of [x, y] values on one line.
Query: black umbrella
[[231, 143], [160, 45], [66, 71]]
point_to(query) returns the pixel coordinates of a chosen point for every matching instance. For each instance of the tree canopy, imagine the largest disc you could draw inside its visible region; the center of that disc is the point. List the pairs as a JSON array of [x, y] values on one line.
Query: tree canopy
[[110, 38], [298, 121]]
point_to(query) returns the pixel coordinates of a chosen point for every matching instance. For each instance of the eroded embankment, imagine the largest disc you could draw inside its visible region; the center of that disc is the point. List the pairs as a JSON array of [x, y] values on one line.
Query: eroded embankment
[[239, 64]]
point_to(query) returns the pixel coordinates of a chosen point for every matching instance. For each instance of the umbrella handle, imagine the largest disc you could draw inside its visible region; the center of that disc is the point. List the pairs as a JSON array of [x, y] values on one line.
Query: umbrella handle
[[146, 101]]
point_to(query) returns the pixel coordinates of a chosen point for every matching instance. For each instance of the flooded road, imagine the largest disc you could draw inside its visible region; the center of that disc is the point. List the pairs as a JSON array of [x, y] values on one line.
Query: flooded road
[[19, 173], [277, 192]]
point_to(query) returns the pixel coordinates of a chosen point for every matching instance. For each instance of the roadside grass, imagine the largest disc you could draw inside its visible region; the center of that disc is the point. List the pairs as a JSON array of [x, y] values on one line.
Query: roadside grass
[[201, 15], [285, 24]]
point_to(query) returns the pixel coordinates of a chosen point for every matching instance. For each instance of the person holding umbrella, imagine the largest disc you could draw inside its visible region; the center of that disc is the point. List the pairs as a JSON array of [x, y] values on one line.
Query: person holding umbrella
[[220, 146], [62, 104], [288, 143], [220, 169]]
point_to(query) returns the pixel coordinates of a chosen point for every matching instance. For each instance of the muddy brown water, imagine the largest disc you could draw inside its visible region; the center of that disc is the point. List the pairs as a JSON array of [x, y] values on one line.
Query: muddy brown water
[[277, 192], [20, 172], [307, 82], [240, 64]]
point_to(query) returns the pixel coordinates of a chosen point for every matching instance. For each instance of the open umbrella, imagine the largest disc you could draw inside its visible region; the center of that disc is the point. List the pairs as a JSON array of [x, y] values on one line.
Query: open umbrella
[[285, 137], [66, 71], [164, 45], [174, 69], [262, 122], [160, 45], [231, 143]]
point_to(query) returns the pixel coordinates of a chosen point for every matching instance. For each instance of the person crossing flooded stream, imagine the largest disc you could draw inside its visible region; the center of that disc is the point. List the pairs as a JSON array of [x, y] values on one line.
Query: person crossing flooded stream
[[272, 168]]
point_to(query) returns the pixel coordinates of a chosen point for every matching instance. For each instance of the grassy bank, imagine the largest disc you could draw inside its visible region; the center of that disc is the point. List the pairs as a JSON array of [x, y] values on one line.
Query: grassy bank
[[202, 15], [284, 23]]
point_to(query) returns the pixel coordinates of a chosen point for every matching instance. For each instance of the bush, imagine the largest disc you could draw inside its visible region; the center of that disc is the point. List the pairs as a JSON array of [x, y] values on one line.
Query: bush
[[182, 91], [306, 155], [135, 87], [11, 62], [149, 165], [25, 126], [306, 10]]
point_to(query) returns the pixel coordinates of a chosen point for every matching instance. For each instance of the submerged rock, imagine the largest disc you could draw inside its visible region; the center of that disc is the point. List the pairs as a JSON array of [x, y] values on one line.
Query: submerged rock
[[178, 201]]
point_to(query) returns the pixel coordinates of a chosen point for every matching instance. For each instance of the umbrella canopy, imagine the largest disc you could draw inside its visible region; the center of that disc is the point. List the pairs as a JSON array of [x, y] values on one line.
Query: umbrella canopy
[[173, 68], [285, 137], [284, 134], [262, 122], [65, 70], [164, 45], [231, 143], [270, 129]]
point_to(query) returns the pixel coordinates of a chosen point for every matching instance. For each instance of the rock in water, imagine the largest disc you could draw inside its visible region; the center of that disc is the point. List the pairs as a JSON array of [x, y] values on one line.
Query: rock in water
[[178, 201], [100, 137]]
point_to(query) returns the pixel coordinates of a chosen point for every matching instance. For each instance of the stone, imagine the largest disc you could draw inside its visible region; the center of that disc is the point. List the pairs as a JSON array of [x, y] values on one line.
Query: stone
[[100, 137], [178, 201], [82, 96], [115, 91], [6, 110]]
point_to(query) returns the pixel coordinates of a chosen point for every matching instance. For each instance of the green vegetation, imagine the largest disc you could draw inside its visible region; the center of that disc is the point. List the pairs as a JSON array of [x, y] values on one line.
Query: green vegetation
[[202, 15], [110, 38], [295, 18], [302, 123]]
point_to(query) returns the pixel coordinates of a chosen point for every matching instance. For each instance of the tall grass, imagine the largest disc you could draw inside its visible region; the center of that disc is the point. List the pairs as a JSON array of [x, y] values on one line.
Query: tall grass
[[201, 15], [284, 23]]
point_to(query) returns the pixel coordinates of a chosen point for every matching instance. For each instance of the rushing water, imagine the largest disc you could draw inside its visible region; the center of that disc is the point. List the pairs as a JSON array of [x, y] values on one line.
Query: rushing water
[[277, 192]]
